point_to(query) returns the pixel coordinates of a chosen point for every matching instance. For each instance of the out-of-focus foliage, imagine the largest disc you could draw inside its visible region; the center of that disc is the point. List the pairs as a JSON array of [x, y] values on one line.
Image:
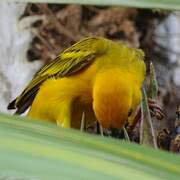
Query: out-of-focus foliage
[[37, 150], [163, 4]]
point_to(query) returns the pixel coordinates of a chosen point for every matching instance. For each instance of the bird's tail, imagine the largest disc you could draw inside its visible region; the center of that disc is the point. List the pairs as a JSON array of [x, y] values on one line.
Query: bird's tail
[[12, 105], [22, 104]]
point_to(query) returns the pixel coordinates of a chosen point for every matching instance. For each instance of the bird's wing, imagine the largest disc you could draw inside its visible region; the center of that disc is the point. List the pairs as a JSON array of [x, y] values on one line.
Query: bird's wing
[[67, 63]]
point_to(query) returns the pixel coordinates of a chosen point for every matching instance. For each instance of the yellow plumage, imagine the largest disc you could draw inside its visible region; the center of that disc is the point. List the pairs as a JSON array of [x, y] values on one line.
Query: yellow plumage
[[96, 75]]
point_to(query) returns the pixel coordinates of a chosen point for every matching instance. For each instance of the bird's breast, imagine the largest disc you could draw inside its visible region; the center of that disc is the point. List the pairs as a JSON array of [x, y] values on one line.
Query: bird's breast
[[112, 97]]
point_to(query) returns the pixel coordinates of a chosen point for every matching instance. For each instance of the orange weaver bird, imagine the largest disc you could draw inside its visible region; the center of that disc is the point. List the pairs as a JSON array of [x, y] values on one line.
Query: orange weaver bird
[[97, 76]]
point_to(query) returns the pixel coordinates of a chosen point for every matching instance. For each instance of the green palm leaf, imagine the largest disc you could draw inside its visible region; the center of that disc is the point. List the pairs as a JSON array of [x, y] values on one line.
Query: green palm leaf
[[38, 150], [162, 4]]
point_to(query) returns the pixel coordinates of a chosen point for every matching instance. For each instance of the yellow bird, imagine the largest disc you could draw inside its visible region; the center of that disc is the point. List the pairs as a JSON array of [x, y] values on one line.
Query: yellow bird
[[97, 76]]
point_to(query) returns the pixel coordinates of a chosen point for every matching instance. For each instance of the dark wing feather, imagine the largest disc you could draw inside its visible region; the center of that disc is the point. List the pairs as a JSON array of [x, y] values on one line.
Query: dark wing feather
[[67, 63]]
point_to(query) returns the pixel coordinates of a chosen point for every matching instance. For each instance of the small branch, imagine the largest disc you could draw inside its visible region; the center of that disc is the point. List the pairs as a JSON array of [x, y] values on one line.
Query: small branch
[[42, 39], [147, 135], [101, 130], [177, 121], [126, 134], [83, 122], [153, 83], [166, 49], [58, 25], [153, 95]]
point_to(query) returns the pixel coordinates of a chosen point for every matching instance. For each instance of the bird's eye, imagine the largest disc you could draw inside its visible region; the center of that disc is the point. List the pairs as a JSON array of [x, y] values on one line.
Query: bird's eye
[[130, 112]]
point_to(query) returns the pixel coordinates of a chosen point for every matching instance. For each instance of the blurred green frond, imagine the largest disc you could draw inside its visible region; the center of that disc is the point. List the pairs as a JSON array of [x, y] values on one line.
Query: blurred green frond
[[157, 4], [38, 150]]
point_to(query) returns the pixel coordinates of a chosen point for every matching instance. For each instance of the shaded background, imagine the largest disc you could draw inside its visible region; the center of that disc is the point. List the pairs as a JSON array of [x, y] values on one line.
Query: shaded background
[[34, 34]]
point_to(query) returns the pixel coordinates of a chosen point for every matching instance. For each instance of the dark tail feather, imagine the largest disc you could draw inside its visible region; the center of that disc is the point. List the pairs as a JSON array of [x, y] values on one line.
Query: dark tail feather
[[11, 105], [23, 104], [24, 107], [24, 101]]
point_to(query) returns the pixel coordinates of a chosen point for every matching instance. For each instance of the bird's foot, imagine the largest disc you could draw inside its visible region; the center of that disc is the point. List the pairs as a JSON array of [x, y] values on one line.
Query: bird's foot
[[155, 109]]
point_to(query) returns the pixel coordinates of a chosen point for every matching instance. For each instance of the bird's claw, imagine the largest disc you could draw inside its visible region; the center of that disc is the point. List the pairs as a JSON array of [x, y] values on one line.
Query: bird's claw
[[155, 109]]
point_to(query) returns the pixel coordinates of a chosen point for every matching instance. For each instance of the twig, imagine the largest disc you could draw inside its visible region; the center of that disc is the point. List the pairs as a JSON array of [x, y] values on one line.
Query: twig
[[101, 130], [158, 113], [43, 40], [177, 121], [126, 134], [83, 122], [59, 26], [153, 87], [147, 135], [166, 49], [153, 83]]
